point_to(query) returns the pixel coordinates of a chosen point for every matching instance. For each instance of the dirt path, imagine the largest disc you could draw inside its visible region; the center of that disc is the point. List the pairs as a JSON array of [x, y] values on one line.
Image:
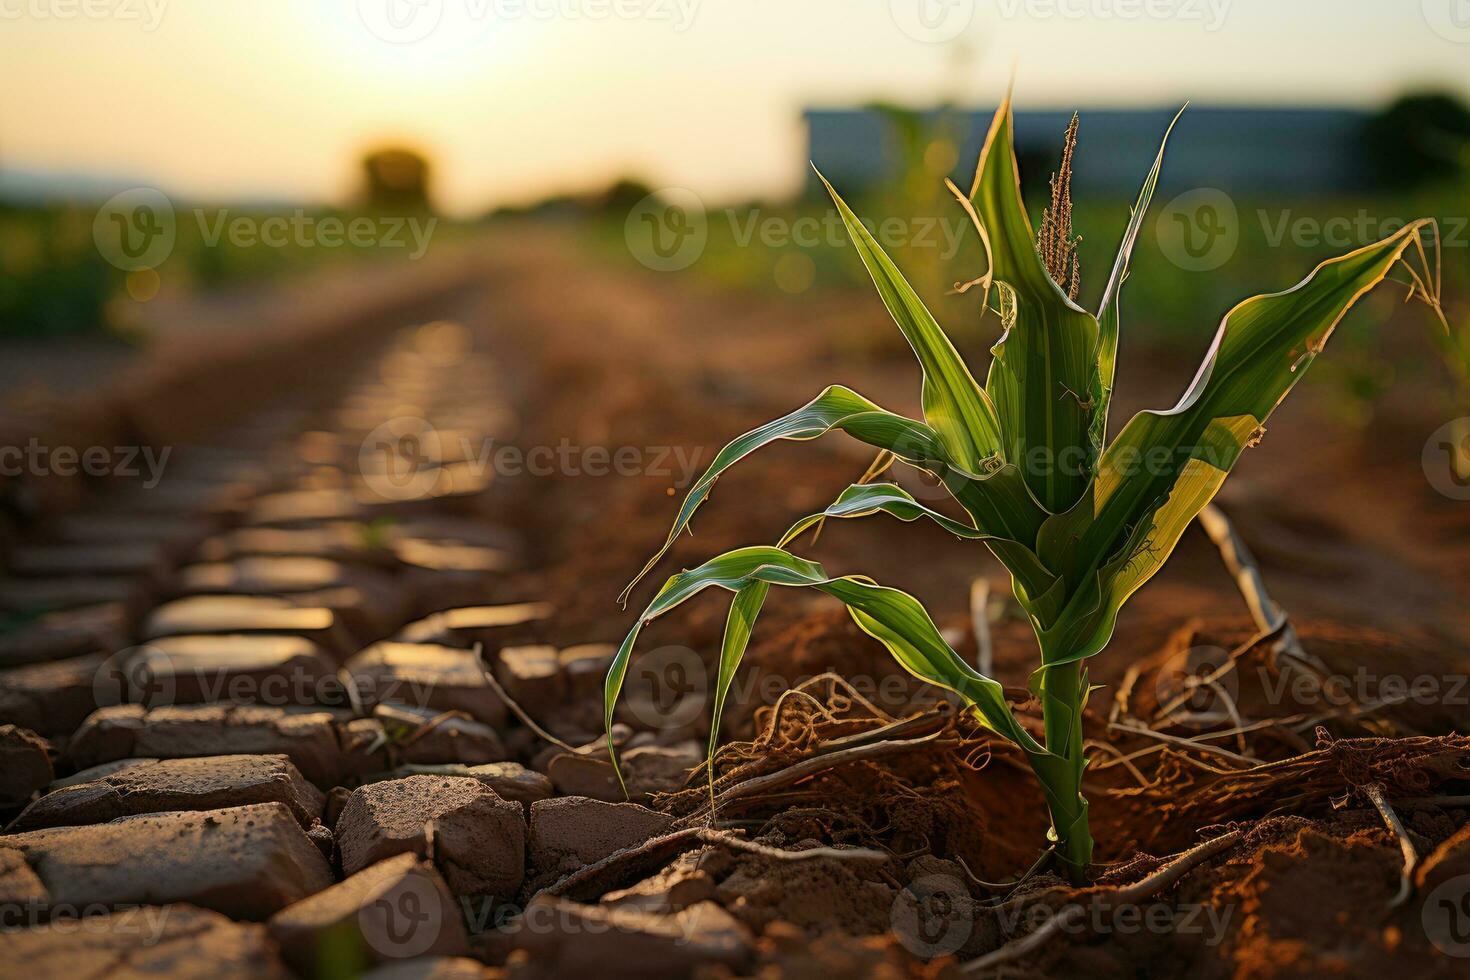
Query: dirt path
[[246, 728]]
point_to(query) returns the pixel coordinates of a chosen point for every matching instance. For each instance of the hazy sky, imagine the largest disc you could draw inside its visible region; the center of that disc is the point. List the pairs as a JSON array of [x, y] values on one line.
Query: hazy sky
[[513, 98]]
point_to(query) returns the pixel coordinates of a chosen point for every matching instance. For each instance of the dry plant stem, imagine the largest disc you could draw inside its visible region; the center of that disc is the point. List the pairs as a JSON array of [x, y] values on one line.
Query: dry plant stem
[[1187, 743], [798, 771], [776, 854], [924, 723], [1123, 696], [516, 709], [1269, 617], [592, 881], [1065, 921], [1415, 766], [1374, 792]]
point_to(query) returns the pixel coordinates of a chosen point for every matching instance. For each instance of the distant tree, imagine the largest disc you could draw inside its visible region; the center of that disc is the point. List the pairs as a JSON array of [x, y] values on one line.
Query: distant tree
[[621, 196], [396, 179], [1419, 139]]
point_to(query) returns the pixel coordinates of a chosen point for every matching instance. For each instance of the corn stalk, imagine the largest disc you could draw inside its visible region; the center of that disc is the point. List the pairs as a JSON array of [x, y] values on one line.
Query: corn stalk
[[1080, 522]]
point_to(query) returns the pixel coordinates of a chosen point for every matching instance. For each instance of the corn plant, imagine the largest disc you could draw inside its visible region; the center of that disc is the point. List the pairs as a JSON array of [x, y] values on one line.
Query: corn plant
[[1079, 521]]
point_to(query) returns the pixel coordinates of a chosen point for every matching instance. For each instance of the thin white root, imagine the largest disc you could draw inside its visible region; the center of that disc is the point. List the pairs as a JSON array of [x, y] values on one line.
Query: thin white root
[[1374, 792]]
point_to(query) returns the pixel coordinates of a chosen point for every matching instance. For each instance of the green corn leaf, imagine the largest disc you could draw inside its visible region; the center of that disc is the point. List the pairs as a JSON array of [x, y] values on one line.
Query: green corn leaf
[[744, 609], [954, 403], [835, 408], [1107, 312], [1044, 364], [999, 506], [866, 499], [894, 618], [1166, 465]]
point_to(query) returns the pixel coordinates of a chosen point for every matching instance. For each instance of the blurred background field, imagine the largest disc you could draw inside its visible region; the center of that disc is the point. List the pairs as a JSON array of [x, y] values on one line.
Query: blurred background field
[[702, 118]]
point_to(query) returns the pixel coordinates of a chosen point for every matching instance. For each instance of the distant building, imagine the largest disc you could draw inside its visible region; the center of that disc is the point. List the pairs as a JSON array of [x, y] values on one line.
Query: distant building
[[1258, 149]]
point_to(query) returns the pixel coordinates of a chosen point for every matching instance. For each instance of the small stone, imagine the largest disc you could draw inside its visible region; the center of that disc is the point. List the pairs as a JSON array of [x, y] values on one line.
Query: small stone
[[177, 941], [23, 897], [247, 862], [95, 772], [479, 839], [245, 668], [337, 799], [571, 832], [582, 775], [54, 698], [509, 780], [69, 633], [209, 783], [344, 541], [320, 835], [426, 676], [658, 768], [303, 506], [445, 740], [396, 909], [585, 667], [569, 939], [532, 676], [25, 766], [368, 607], [262, 576], [248, 614], [490, 625], [451, 556], [308, 737]]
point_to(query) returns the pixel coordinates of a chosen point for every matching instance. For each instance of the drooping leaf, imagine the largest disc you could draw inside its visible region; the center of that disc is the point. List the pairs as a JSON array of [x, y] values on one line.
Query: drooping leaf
[[1107, 312], [1166, 465], [954, 403], [865, 499], [835, 408], [1041, 376], [894, 618], [744, 609]]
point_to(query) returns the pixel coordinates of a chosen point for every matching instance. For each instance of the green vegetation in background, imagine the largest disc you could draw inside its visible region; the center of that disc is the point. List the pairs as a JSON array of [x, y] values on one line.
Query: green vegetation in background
[[54, 282]]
